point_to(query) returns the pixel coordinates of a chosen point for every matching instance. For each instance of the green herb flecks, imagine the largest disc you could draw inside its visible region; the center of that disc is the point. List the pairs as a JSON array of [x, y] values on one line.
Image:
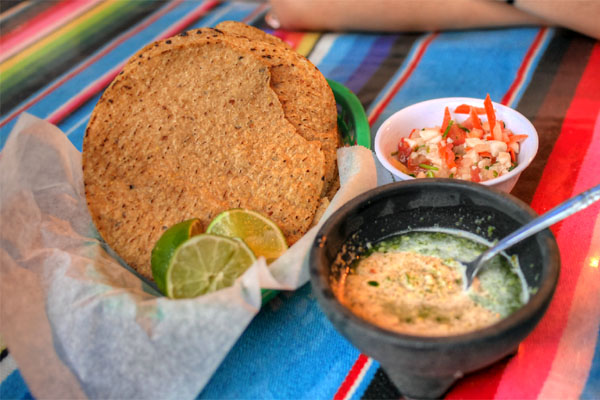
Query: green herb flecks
[[429, 167], [448, 129]]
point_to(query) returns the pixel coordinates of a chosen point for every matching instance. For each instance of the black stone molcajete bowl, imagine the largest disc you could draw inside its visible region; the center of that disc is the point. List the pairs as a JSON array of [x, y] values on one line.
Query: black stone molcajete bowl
[[426, 367]]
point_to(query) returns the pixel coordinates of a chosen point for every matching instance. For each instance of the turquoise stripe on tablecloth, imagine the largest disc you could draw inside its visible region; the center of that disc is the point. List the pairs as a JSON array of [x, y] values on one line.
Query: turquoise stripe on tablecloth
[[228, 12], [345, 55], [14, 387], [279, 365], [456, 65]]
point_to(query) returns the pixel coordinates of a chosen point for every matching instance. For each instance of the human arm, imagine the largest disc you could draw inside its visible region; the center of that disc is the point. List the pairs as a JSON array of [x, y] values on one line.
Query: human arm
[[397, 15], [424, 15], [579, 15]]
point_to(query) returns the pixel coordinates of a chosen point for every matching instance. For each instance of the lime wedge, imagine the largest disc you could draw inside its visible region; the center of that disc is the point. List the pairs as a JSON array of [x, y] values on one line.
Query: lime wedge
[[206, 263], [260, 233], [167, 244]]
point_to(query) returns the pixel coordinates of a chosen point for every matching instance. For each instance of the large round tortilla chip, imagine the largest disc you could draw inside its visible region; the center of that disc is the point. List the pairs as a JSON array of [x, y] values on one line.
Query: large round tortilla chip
[[250, 32], [191, 128], [307, 99]]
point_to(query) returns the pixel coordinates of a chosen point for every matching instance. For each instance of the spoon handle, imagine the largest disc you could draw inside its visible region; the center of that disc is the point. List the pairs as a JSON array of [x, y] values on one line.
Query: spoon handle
[[556, 214]]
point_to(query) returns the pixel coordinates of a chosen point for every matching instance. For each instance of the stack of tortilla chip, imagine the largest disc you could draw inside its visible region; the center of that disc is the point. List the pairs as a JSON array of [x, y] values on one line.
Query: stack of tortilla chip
[[209, 120]]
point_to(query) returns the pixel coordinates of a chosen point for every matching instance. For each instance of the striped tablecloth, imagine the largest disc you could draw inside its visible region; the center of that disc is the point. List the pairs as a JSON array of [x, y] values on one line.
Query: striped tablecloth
[[57, 57]]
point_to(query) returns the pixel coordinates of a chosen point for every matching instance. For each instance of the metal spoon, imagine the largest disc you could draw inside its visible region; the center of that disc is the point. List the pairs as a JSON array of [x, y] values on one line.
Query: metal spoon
[[558, 213]]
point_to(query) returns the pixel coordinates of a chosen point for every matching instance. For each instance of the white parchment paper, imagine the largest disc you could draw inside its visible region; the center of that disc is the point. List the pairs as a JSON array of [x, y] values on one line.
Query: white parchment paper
[[77, 322]]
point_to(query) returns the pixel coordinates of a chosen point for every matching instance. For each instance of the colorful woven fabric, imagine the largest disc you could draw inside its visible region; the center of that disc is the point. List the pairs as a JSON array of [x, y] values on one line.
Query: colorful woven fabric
[[57, 57]]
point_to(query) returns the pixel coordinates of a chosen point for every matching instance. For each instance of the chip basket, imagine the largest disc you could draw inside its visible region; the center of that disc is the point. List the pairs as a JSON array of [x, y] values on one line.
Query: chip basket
[[352, 120], [354, 130]]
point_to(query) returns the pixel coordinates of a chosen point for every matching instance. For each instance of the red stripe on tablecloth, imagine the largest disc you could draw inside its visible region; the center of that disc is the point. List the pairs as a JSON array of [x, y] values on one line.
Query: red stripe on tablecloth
[[41, 25], [291, 38], [521, 73], [479, 385], [96, 86], [563, 164], [538, 351], [351, 377], [402, 78]]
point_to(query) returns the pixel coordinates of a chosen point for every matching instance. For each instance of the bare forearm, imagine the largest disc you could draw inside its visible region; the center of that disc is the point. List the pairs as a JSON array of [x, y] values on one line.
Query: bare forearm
[[396, 15], [580, 15]]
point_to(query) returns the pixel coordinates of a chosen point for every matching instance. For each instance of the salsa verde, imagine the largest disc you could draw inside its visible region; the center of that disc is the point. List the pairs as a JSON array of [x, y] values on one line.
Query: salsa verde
[[412, 283]]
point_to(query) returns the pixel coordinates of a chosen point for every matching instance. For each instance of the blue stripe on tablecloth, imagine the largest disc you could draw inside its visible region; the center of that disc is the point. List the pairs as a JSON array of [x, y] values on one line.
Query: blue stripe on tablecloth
[[346, 54], [591, 390], [486, 62], [296, 353], [233, 12], [75, 124], [378, 52], [14, 387]]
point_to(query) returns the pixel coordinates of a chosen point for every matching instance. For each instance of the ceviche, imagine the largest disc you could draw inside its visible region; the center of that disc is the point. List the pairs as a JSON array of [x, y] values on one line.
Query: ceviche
[[473, 149]]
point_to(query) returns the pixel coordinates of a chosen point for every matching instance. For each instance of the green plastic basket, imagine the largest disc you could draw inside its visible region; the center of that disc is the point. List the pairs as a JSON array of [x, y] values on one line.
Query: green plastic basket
[[354, 129], [352, 120]]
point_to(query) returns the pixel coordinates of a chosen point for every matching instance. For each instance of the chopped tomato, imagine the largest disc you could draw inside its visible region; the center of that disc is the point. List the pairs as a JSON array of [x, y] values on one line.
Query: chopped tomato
[[447, 119], [404, 151], [467, 123], [475, 174], [413, 163], [489, 110], [446, 154], [466, 109], [456, 134], [513, 156], [475, 120], [516, 138]]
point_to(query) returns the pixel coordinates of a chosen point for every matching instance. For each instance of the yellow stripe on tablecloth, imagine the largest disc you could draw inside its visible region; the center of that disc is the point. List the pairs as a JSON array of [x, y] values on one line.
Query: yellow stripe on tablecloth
[[307, 43]]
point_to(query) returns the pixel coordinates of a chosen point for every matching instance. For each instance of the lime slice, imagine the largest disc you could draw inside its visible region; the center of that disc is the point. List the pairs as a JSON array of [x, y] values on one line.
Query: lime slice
[[167, 244], [261, 234], [206, 263]]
